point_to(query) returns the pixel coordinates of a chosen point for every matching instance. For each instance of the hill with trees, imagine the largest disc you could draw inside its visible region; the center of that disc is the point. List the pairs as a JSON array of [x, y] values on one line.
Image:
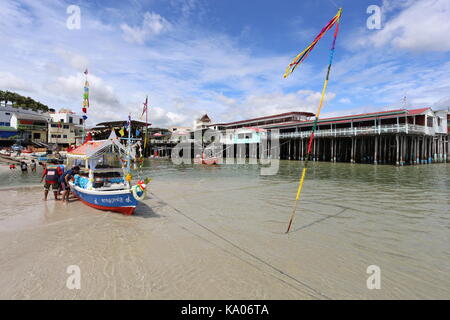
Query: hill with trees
[[19, 101]]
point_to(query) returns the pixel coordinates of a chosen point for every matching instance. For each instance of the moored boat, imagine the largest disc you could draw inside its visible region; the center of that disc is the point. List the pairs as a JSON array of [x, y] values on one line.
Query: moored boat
[[101, 185]]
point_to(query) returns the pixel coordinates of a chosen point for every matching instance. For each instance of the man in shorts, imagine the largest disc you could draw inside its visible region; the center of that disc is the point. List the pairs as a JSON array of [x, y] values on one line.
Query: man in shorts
[[51, 174], [23, 166], [64, 182], [33, 166]]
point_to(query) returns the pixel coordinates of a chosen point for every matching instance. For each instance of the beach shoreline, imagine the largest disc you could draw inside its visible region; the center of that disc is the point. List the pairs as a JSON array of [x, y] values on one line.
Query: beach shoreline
[[155, 254]]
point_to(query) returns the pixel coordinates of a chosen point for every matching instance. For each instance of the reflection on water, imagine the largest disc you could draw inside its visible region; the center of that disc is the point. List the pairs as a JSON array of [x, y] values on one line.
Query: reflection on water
[[350, 216]]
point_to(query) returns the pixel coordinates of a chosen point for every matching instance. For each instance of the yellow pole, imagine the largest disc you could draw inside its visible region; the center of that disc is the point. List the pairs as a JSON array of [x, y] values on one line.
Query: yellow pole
[[322, 98]]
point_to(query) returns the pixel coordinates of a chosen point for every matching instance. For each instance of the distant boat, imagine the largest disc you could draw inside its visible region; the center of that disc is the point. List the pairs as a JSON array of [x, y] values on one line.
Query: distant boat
[[208, 160]]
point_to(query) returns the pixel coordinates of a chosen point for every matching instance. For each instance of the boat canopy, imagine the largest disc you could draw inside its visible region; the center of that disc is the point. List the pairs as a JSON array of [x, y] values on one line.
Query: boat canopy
[[95, 149]]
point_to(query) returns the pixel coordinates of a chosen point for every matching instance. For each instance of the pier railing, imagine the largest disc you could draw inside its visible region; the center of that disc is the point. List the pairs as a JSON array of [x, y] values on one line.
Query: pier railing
[[358, 131]]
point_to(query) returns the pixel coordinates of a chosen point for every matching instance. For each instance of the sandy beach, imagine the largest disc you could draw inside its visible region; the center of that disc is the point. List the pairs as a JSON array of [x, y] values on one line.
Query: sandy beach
[[218, 233], [156, 254]]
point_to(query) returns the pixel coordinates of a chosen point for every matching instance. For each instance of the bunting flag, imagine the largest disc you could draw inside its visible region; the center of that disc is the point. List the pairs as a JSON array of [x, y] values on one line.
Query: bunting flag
[[138, 132], [122, 132], [302, 55], [289, 70], [85, 104], [86, 95]]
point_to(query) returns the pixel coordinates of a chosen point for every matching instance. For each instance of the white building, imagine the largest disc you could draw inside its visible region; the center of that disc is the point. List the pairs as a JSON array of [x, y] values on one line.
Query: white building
[[64, 127], [179, 134], [202, 122]]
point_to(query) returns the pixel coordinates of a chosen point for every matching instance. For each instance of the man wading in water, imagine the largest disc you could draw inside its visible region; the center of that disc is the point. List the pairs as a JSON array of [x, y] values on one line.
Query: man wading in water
[[51, 174], [64, 182]]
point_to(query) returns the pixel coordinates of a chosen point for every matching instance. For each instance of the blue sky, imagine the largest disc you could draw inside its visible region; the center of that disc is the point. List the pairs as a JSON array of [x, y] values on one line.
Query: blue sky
[[224, 57]]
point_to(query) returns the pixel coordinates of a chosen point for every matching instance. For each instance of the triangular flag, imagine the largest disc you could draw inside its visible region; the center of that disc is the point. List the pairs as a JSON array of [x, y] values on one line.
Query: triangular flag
[[122, 132]]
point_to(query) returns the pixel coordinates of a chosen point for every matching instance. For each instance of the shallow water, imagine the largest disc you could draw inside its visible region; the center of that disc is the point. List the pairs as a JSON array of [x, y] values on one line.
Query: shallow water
[[350, 216]]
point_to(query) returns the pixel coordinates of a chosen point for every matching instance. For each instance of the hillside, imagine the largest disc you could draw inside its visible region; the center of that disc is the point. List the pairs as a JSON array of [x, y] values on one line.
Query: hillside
[[19, 101]]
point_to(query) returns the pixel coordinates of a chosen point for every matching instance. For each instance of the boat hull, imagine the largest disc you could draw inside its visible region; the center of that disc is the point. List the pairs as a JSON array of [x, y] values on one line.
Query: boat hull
[[118, 200], [208, 161]]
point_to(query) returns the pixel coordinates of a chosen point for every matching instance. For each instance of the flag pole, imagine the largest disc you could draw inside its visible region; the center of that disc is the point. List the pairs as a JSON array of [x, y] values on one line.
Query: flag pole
[[322, 98], [129, 143], [146, 123]]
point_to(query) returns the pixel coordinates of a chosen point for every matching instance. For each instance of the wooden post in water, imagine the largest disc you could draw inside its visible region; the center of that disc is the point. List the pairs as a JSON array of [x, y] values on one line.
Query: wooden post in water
[[375, 154], [352, 150], [397, 162]]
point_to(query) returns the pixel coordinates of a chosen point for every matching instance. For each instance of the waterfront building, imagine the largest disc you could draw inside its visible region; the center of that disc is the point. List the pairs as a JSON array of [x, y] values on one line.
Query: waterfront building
[[31, 127], [398, 136], [64, 127], [179, 134], [202, 123], [18, 129], [288, 117]]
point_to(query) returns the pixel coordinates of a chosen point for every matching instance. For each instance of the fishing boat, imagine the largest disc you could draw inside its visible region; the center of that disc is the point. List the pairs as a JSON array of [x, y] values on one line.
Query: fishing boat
[[203, 159], [100, 184], [208, 155]]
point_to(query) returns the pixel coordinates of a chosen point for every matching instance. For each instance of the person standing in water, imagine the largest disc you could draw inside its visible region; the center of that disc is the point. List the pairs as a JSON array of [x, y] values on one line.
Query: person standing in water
[[51, 175], [64, 182], [23, 166], [33, 166]]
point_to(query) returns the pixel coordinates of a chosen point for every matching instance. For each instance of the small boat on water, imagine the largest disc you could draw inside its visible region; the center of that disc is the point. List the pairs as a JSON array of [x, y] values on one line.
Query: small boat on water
[[208, 156], [100, 184], [206, 160]]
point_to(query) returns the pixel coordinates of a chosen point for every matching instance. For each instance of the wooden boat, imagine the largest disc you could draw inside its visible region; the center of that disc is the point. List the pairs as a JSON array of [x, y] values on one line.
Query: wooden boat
[[206, 160], [100, 185], [108, 199], [207, 157]]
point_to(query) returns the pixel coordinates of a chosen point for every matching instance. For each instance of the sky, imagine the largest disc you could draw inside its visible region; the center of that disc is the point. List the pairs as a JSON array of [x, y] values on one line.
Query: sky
[[225, 58]]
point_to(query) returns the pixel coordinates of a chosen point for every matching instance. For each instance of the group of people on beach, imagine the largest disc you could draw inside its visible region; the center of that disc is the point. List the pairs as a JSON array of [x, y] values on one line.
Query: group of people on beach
[[24, 166], [58, 180]]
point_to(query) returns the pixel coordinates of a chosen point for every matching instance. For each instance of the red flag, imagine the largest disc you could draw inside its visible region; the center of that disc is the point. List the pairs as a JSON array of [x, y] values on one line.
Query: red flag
[[88, 137]]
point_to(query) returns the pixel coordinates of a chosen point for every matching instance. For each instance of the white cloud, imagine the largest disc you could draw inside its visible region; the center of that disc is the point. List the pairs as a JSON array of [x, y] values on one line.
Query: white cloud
[[13, 14], [424, 25], [258, 105], [76, 61], [72, 87], [153, 25], [9, 81]]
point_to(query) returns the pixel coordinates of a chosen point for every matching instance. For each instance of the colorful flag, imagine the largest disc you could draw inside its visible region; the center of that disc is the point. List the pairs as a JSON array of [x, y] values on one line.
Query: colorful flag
[[302, 55], [138, 132], [289, 70], [122, 132]]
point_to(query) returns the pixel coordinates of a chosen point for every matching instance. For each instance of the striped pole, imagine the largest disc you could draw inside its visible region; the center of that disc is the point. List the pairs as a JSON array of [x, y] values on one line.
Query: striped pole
[[311, 137]]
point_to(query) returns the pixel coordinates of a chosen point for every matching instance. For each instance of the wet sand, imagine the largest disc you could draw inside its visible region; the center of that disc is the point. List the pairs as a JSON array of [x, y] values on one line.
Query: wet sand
[[156, 254], [218, 233]]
